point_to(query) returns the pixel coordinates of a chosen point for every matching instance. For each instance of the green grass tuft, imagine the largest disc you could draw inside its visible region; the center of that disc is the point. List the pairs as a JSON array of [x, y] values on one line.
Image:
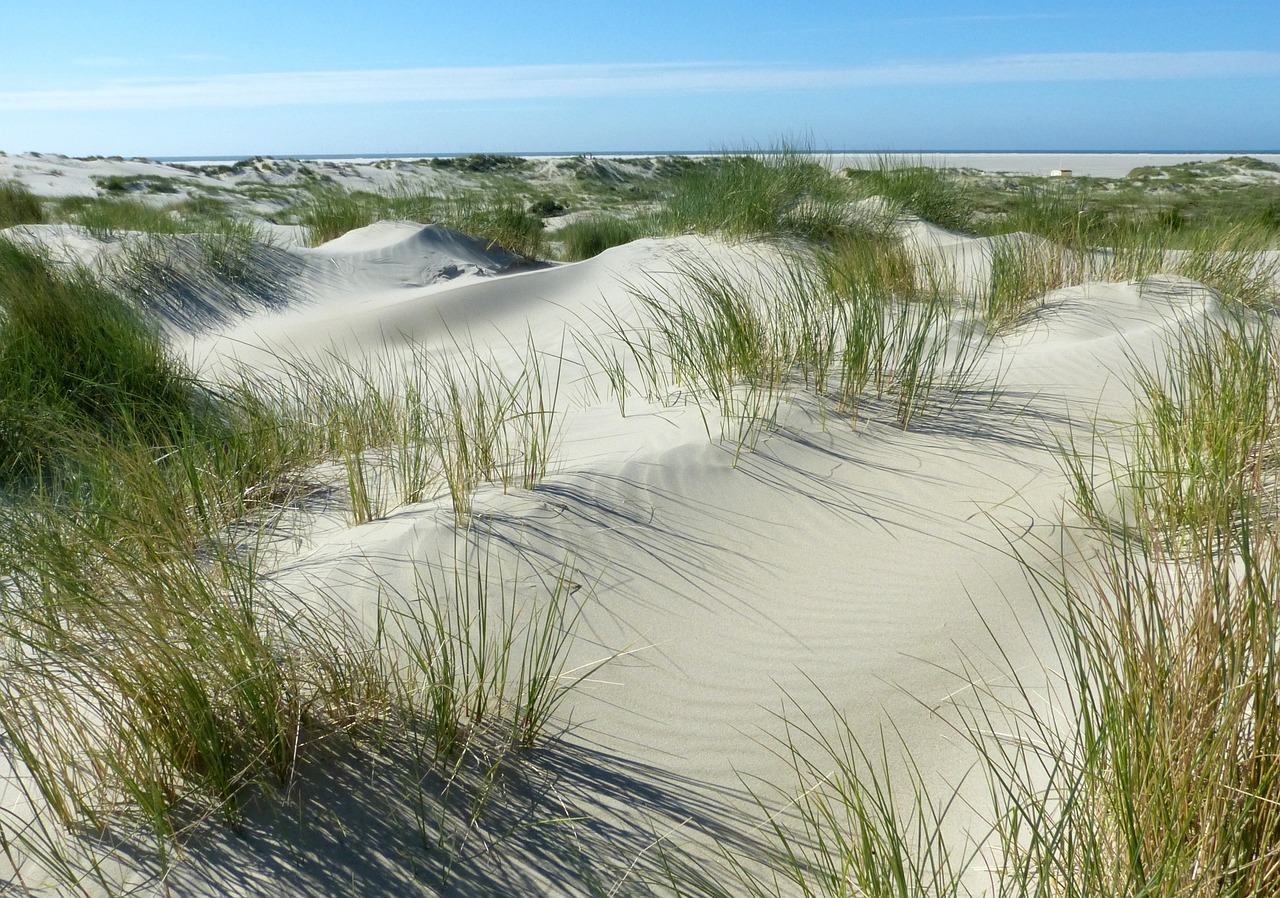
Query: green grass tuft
[[589, 237], [77, 362], [18, 205], [331, 212], [782, 193], [919, 189]]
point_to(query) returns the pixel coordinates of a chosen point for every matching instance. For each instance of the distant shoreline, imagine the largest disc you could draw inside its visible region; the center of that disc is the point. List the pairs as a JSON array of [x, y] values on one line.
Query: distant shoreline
[[1087, 164], [551, 154]]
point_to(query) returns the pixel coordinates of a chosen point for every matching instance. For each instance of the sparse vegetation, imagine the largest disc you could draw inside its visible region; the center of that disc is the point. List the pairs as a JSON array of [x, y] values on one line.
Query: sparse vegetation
[[156, 675], [1023, 269], [151, 675], [1152, 769], [743, 340]]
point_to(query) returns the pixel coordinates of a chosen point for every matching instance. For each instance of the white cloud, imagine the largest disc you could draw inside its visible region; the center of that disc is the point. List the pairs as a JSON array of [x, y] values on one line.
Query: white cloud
[[979, 17], [196, 57], [552, 81], [110, 62]]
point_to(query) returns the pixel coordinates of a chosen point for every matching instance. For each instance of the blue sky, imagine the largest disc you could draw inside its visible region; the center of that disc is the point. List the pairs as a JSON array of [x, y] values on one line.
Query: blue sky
[[241, 78]]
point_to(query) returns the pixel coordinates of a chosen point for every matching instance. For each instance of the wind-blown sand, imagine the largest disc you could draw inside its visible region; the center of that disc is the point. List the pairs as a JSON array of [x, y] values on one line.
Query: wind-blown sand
[[868, 565]]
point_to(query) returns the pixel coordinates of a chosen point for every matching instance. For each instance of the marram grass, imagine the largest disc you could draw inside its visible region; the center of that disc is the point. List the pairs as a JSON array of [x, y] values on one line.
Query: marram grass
[[1156, 777], [76, 361], [850, 326], [18, 205], [152, 676], [1154, 769], [588, 237]]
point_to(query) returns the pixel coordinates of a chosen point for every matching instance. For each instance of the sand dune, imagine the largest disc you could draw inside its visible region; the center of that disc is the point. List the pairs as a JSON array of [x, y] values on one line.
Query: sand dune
[[870, 564], [862, 564]]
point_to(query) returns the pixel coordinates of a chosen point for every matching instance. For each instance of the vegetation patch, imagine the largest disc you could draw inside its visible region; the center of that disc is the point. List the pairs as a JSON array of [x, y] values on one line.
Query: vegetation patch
[[924, 191], [18, 205], [78, 366], [137, 184], [775, 194], [591, 236], [481, 162]]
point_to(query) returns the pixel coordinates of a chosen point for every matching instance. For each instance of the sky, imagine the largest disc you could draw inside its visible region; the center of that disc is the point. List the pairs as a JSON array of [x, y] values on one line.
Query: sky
[[253, 77]]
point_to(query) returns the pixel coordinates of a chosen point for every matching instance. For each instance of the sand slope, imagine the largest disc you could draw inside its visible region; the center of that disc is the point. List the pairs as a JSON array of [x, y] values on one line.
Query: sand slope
[[866, 564]]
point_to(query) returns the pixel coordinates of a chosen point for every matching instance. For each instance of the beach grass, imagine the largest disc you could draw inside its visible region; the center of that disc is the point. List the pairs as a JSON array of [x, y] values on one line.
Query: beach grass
[[588, 237], [109, 217], [154, 679], [501, 220], [79, 363], [1023, 269], [1154, 771], [18, 205], [873, 264], [911, 186], [1063, 211], [1148, 761], [1231, 260], [482, 656], [780, 192], [331, 212], [853, 326], [1206, 434], [404, 433], [850, 825], [227, 269]]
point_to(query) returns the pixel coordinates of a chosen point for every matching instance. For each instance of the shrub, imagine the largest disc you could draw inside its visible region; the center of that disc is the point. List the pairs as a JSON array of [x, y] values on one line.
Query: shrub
[[480, 162], [547, 207]]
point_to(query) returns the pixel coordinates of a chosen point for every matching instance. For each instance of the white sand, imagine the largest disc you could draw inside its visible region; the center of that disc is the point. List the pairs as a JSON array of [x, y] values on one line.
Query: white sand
[[1097, 165], [53, 175], [869, 564]]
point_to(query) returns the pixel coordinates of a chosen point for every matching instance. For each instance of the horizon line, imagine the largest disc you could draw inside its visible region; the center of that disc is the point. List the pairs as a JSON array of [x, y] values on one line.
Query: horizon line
[[569, 153]]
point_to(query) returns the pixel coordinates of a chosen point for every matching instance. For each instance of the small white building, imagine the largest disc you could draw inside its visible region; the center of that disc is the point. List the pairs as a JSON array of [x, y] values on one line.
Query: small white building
[[1060, 173]]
